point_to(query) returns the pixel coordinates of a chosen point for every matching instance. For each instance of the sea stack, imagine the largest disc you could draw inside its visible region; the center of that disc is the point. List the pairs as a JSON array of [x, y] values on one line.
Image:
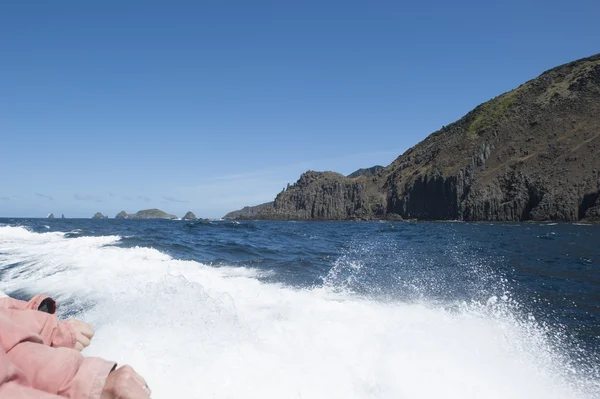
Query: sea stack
[[190, 216], [99, 215], [51, 216], [122, 215]]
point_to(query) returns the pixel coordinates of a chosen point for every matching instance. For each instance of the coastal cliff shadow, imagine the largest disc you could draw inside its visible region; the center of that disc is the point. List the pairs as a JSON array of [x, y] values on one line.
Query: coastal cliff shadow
[[589, 200]]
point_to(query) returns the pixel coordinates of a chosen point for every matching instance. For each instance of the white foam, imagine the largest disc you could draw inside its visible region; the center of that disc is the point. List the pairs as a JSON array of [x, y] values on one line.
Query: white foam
[[196, 331]]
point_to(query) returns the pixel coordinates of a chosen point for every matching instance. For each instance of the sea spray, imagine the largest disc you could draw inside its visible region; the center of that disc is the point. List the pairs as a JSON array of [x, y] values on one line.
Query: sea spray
[[198, 331]]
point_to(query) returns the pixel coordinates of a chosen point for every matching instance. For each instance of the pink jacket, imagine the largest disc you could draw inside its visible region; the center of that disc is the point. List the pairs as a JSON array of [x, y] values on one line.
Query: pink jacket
[[14, 384], [39, 302], [52, 331], [30, 368]]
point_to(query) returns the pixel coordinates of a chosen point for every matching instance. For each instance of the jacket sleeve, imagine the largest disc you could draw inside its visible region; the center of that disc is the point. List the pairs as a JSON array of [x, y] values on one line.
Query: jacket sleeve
[[52, 331], [39, 302], [12, 390], [14, 384], [61, 371]]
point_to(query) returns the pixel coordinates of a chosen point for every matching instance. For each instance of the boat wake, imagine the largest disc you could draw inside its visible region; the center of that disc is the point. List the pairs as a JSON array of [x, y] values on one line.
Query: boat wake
[[197, 331]]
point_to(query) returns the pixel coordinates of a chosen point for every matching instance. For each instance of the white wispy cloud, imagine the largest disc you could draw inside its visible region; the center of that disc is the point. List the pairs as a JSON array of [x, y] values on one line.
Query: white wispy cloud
[[43, 196], [243, 176], [173, 199], [88, 197]]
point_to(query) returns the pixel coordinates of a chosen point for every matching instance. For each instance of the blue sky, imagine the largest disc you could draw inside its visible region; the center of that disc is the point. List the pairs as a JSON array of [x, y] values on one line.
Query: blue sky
[[212, 105]]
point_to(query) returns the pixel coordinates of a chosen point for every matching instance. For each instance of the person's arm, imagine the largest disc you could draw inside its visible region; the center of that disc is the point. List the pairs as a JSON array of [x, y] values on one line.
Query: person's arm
[[14, 384], [12, 390], [27, 362], [61, 371], [54, 332], [42, 303], [47, 326]]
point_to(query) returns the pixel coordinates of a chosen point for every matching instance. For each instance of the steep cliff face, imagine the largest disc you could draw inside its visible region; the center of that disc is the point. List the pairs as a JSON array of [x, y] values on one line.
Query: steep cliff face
[[530, 154], [328, 195]]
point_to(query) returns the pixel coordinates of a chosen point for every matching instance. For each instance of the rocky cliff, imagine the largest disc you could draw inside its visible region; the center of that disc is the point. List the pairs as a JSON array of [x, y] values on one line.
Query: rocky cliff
[[529, 154], [249, 212]]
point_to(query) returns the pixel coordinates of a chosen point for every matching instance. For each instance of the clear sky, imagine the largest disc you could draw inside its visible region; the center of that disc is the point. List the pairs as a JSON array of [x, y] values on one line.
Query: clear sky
[[212, 105]]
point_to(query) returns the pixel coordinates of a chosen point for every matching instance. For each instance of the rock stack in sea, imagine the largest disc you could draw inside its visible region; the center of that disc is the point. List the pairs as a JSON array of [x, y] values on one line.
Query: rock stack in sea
[[122, 215], [189, 216], [529, 154], [99, 215]]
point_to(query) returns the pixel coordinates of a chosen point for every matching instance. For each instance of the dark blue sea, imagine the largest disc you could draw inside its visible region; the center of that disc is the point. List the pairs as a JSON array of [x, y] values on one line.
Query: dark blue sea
[[259, 309]]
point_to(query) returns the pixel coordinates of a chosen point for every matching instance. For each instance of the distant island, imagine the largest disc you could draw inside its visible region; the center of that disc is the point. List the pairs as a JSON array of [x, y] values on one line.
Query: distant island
[[532, 153], [146, 214]]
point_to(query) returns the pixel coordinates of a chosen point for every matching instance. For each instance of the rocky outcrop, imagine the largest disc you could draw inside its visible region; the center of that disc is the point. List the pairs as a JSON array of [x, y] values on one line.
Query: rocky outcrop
[[249, 212], [99, 215], [367, 172], [152, 214], [325, 196], [589, 209], [50, 216], [189, 216], [146, 214], [529, 154]]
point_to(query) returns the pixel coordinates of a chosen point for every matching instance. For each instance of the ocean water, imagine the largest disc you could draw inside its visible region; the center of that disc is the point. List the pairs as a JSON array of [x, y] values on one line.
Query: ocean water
[[325, 310]]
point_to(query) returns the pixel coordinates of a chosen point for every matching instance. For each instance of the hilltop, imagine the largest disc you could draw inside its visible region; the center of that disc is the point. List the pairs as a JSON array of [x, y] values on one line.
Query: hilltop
[[368, 172], [529, 154]]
